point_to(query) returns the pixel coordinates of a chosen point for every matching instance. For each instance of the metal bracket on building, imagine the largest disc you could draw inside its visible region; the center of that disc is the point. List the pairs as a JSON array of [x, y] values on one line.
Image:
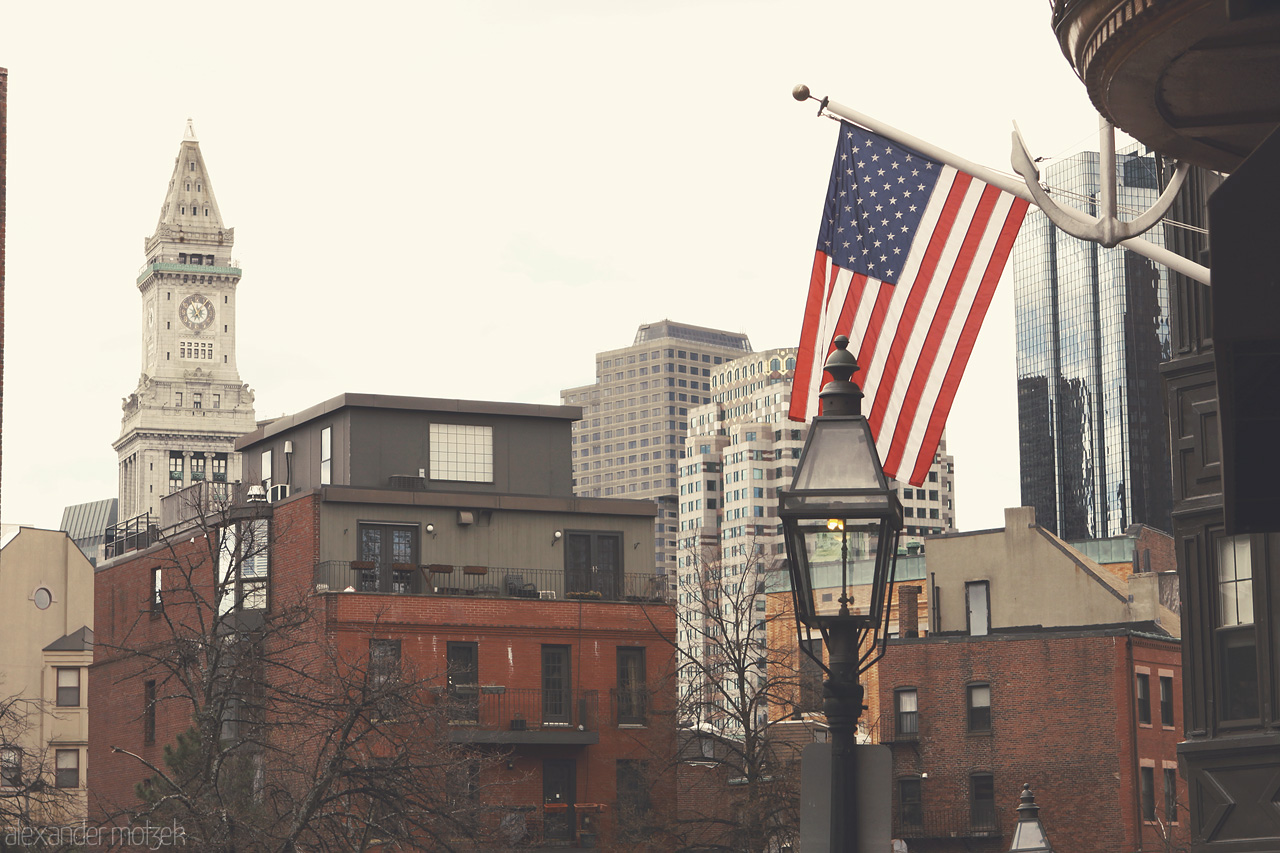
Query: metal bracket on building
[[1106, 229]]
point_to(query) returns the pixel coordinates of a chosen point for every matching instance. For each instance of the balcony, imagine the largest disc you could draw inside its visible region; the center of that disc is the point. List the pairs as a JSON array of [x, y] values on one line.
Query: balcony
[[488, 581], [192, 269], [1195, 79], [895, 728], [916, 820], [493, 714], [133, 534]]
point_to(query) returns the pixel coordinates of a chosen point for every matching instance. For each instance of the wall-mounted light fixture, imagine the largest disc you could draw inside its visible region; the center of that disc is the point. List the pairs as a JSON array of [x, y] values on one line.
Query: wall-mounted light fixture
[[555, 537], [431, 528]]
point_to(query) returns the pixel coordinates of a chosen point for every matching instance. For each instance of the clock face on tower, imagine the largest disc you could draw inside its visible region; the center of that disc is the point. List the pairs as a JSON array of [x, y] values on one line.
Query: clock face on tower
[[196, 312]]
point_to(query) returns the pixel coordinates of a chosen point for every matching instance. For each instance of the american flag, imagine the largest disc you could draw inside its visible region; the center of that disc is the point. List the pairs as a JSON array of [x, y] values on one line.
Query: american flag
[[908, 258]]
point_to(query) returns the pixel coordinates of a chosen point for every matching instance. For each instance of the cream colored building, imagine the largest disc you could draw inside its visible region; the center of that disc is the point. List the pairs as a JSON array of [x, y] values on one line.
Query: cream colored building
[[46, 632], [1024, 576], [181, 422]]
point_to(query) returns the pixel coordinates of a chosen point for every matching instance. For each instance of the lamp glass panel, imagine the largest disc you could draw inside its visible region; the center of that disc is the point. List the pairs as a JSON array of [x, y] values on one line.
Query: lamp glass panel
[[1029, 835], [840, 455], [826, 580]]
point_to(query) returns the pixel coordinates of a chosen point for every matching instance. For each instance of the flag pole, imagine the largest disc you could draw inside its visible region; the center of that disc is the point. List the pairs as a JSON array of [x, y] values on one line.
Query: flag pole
[[1000, 181]]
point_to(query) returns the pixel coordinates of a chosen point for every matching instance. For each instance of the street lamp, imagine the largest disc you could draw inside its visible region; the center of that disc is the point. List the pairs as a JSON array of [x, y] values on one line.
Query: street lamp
[[1028, 835], [841, 523]]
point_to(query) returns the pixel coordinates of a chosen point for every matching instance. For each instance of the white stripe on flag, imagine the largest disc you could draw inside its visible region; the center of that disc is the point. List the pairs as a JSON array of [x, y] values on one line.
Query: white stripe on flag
[[951, 336], [933, 293]]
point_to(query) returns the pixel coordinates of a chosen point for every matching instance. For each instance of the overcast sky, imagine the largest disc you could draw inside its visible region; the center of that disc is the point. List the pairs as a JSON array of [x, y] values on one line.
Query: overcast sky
[[471, 199]]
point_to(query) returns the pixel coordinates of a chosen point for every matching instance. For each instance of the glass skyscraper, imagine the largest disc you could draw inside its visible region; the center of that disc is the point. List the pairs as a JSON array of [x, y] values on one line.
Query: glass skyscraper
[[1092, 329]]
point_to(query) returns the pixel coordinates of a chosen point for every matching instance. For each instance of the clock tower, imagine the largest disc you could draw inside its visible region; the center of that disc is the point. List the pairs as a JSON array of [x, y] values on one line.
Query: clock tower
[[181, 423]]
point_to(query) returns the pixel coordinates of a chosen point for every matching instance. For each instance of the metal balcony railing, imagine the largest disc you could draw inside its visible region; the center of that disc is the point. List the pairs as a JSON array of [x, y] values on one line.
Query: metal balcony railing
[[895, 728], [628, 707], [133, 534], [488, 581], [920, 820], [497, 707]]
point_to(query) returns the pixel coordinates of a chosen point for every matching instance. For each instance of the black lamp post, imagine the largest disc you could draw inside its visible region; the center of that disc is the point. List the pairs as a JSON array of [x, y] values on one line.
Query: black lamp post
[[841, 521]]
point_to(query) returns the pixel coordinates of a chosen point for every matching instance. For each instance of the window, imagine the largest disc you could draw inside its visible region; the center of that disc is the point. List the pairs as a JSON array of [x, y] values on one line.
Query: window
[[982, 802], [10, 767], [631, 686], [1234, 633], [464, 682], [383, 675], [907, 713], [68, 695], [244, 566], [197, 462], [219, 461], [392, 551], [462, 453], [176, 466], [979, 707], [633, 795], [1147, 782], [217, 401], [977, 598], [197, 350], [157, 596], [1144, 698], [149, 712], [910, 805], [326, 456], [67, 768], [1170, 795], [197, 400], [264, 471], [1166, 700], [593, 563], [556, 694]]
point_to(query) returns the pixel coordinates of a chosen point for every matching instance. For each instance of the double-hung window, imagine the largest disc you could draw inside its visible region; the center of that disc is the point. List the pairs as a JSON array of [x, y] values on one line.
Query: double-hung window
[[1234, 632], [464, 682], [66, 768], [1143, 689], [631, 686], [979, 707], [68, 695], [907, 713], [910, 803]]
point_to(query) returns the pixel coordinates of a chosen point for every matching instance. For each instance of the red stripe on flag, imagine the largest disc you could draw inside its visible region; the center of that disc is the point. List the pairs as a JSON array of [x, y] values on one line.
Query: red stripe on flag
[[939, 324], [919, 287], [968, 335], [814, 307]]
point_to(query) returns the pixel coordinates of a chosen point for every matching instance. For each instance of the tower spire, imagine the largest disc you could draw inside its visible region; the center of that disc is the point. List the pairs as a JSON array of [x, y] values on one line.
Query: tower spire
[[189, 205]]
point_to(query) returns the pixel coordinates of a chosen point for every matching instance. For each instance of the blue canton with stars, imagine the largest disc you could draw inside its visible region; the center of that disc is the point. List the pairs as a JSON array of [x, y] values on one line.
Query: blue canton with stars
[[875, 201]]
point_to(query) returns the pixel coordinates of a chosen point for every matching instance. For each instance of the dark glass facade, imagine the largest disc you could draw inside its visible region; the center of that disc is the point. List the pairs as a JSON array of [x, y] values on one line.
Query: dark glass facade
[[1092, 329]]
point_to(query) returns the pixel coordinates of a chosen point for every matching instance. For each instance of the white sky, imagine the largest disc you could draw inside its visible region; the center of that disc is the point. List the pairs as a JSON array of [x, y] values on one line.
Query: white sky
[[471, 199]]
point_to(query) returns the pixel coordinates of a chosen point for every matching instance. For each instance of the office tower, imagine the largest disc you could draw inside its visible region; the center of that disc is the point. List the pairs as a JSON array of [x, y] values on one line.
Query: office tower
[[1092, 328], [635, 415]]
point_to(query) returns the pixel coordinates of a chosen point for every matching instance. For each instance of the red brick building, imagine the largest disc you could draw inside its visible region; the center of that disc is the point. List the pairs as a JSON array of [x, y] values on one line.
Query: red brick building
[[439, 539], [1086, 716]]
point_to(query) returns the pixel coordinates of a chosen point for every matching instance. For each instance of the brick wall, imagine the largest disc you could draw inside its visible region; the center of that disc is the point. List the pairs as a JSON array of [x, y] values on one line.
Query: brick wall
[[1062, 719]]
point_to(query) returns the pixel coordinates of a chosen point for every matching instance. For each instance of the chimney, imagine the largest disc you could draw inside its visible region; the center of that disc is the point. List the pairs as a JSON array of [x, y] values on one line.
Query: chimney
[[909, 610]]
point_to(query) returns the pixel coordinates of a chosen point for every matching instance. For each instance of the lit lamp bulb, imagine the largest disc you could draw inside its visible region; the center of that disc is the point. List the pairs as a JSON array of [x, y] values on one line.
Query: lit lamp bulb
[[835, 524]]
